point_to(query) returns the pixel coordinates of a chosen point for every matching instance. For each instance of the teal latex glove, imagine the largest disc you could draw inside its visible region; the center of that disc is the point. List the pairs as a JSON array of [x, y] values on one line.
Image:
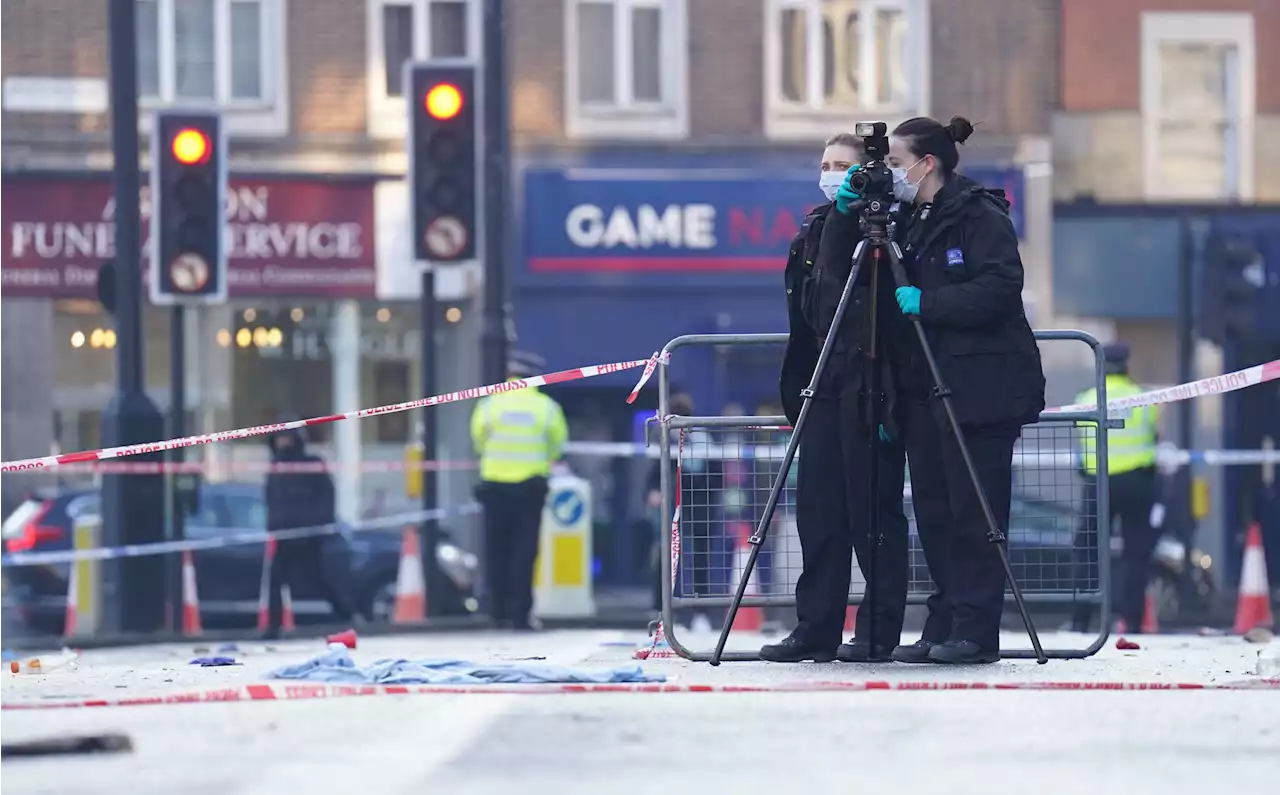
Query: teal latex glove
[[908, 300], [885, 436], [845, 195]]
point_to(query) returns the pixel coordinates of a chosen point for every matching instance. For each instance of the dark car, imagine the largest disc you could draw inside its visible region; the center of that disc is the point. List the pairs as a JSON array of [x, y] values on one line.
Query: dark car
[[228, 578]]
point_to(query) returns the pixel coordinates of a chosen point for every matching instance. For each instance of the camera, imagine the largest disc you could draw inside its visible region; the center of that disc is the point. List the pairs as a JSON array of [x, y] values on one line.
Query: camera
[[874, 179]]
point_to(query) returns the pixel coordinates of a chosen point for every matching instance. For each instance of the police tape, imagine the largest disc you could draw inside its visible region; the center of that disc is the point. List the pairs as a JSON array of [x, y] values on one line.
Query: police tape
[[48, 462], [1215, 385], [231, 538], [289, 691]]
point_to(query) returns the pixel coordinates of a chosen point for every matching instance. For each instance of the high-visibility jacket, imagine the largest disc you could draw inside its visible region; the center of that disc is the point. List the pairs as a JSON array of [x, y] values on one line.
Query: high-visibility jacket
[[518, 435], [1128, 448]]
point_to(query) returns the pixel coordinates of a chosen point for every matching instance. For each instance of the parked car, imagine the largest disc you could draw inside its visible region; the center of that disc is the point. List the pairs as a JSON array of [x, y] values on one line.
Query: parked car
[[228, 578]]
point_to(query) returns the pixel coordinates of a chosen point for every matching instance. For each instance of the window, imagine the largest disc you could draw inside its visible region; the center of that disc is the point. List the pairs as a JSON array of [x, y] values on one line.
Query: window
[[217, 53], [839, 60], [410, 30], [626, 70], [1197, 106]]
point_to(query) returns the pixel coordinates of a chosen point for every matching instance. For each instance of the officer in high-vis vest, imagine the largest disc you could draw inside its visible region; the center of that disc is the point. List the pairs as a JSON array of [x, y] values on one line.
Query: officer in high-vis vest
[[1131, 470], [518, 435]]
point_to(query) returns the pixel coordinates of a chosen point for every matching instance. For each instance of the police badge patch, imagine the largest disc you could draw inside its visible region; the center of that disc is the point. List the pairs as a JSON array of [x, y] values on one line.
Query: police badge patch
[[954, 257]]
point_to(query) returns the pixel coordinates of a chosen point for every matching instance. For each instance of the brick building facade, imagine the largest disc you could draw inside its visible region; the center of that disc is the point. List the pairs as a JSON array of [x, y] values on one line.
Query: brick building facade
[[685, 91]]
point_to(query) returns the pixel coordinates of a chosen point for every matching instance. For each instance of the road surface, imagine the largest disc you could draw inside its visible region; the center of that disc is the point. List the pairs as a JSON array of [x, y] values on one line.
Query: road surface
[[947, 742]]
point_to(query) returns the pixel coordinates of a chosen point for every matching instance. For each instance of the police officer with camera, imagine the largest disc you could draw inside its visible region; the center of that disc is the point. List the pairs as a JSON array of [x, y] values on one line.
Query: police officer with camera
[[961, 256], [833, 485]]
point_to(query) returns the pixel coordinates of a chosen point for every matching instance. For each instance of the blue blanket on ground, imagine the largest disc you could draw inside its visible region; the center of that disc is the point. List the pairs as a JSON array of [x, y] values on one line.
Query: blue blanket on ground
[[337, 666]]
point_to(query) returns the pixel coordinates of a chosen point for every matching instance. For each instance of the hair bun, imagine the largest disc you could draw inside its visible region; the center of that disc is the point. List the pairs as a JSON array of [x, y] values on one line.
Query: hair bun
[[959, 129]]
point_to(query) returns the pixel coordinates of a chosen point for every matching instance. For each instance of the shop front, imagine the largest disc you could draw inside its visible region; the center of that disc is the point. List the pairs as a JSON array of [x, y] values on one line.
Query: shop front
[[309, 328]]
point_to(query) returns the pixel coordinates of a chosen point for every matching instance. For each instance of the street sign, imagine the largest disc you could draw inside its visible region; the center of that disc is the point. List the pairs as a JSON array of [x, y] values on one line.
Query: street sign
[[445, 237]]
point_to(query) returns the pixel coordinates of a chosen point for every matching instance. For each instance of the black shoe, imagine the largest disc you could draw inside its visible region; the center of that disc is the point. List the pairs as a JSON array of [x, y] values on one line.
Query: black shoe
[[529, 624], [792, 649], [917, 652], [962, 652], [857, 651]]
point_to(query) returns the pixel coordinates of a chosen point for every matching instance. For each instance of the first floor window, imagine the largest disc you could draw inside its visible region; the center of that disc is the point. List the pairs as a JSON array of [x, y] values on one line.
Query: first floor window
[[205, 51], [844, 55]]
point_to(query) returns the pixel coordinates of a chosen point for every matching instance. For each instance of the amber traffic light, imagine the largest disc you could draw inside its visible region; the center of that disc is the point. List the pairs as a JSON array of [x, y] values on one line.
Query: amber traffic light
[[444, 101], [443, 144], [190, 146], [188, 195]]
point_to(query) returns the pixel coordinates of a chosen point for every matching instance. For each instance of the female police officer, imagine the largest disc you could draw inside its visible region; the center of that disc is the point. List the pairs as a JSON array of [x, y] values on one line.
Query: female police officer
[[832, 489], [961, 256]]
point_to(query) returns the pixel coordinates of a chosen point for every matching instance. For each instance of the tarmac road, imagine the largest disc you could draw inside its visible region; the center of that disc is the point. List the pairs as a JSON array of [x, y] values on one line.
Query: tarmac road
[[943, 742]]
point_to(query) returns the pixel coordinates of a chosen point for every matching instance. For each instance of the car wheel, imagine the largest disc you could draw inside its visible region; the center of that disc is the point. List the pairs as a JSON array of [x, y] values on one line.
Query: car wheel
[[381, 602]]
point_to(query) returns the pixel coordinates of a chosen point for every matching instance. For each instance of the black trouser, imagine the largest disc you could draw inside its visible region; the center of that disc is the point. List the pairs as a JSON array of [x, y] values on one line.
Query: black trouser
[[1132, 494], [832, 506], [969, 579], [297, 562], [512, 527]]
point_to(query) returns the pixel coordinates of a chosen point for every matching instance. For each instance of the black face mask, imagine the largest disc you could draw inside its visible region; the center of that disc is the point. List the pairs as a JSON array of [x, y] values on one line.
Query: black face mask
[[292, 451]]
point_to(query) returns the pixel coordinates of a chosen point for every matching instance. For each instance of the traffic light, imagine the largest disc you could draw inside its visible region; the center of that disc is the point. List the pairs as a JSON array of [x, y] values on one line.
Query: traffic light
[[188, 197], [1234, 276], [443, 144]]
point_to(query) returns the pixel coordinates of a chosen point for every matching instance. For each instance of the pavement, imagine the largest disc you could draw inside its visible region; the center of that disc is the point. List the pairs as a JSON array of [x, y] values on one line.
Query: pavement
[[790, 737]]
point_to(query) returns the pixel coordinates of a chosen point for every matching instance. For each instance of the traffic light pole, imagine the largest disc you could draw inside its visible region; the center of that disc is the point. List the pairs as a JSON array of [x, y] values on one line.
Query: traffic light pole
[[178, 501], [132, 505], [427, 365], [496, 179]]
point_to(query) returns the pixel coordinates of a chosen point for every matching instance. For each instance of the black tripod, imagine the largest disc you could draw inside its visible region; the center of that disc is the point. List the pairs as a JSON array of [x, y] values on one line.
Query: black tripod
[[875, 241]]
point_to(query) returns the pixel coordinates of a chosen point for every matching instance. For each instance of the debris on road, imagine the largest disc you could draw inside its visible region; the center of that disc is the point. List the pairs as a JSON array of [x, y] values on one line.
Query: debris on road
[[214, 662], [336, 665], [63, 746]]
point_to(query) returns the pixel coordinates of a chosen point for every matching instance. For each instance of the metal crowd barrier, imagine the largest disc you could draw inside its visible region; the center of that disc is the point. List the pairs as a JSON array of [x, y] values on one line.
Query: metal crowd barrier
[[1059, 535]]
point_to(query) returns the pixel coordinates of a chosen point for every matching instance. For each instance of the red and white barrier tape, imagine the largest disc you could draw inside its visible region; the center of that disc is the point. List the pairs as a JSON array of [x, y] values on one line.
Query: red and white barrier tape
[[1216, 385], [254, 467], [51, 461], [298, 692], [649, 367]]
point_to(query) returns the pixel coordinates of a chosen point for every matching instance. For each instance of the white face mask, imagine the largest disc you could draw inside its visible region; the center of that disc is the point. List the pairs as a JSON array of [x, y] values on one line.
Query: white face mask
[[905, 190], [830, 182]]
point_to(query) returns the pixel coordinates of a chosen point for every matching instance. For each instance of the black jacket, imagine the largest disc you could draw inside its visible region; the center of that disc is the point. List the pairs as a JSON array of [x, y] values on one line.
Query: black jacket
[[803, 343], [818, 266], [304, 499], [962, 252]]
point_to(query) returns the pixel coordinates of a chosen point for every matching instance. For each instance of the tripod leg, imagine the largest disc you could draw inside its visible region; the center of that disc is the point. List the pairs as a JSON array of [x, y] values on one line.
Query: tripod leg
[[871, 378], [994, 534], [779, 482]]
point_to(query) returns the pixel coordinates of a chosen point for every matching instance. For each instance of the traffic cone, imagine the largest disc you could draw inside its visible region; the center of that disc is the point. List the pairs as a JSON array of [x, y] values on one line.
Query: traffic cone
[[73, 597], [346, 638], [1253, 609], [287, 624], [850, 618], [264, 586], [1150, 618], [748, 619], [190, 599], [411, 591]]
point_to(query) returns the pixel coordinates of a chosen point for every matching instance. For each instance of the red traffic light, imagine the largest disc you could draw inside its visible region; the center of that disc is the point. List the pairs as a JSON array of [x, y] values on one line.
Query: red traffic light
[[444, 101], [190, 147]]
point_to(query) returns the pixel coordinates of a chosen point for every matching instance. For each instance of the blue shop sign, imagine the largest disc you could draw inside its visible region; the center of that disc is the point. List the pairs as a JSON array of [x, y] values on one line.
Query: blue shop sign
[[637, 226]]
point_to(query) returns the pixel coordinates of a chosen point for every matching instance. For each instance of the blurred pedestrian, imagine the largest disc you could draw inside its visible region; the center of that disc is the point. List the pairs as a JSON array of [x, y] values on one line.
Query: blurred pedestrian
[[297, 500], [1133, 482], [518, 435], [833, 489], [961, 256]]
